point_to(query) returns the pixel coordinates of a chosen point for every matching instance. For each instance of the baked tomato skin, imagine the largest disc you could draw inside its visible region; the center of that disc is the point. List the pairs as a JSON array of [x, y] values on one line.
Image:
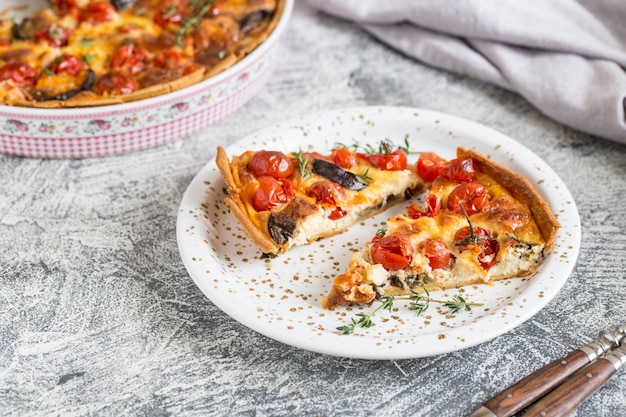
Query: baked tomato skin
[[55, 35], [394, 161], [429, 166], [459, 170], [326, 192], [437, 252], [272, 192], [70, 64], [23, 75], [482, 242], [115, 83], [129, 58], [433, 205], [392, 252], [273, 163], [344, 157], [473, 197], [96, 12]]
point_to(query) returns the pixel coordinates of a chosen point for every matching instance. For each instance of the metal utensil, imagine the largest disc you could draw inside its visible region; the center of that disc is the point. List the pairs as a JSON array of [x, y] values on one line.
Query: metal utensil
[[543, 380]]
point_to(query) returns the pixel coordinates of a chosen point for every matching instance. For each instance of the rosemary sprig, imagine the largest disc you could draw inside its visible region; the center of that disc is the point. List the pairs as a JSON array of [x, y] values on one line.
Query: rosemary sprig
[[355, 145], [364, 178], [303, 163], [190, 23], [419, 302]]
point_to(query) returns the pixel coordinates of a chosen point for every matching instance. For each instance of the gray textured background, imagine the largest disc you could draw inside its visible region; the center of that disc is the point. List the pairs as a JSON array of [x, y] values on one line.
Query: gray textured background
[[99, 317]]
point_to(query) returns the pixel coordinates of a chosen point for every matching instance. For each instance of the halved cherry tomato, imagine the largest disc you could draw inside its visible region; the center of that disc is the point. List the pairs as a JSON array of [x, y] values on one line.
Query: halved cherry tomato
[[344, 157], [472, 196], [459, 170], [168, 58], [395, 161], [326, 192], [433, 205], [98, 11], [482, 243], [272, 163], [65, 7], [55, 35], [170, 14], [272, 192], [337, 213], [23, 75], [429, 166], [116, 82], [71, 64], [392, 252], [129, 58], [437, 252]]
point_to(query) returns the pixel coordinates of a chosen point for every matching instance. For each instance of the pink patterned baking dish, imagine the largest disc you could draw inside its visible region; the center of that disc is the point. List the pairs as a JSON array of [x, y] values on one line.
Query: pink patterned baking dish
[[119, 128]]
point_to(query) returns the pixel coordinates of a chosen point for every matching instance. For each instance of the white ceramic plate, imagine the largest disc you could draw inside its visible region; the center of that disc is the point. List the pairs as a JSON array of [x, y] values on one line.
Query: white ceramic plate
[[279, 297]]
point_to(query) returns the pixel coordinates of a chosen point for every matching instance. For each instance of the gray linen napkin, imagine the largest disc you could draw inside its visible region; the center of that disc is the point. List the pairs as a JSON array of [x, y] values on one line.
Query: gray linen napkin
[[566, 57]]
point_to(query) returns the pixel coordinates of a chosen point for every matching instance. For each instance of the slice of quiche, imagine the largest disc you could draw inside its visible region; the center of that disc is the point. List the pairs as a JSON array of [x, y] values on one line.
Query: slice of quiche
[[481, 223], [283, 200]]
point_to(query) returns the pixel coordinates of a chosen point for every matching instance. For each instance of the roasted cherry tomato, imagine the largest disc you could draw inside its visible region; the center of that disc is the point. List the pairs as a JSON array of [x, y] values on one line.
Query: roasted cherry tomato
[[70, 64], [326, 192], [395, 161], [437, 252], [481, 242], [459, 170], [433, 205], [115, 83], [129, 58], [337, 213], [272, 192], [344, 158], [472, 196], [392, 252], [170, 14], [168, 58], [429, 166], [96, 12], [272, 163], [65, 7], [23, 75], [55, 35]]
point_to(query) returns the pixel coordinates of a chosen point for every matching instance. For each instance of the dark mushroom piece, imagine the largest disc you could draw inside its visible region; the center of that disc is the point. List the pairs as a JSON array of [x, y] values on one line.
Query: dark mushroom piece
[[122, 4], [85, 86], [337, 174], [23, 30], [252, 20]]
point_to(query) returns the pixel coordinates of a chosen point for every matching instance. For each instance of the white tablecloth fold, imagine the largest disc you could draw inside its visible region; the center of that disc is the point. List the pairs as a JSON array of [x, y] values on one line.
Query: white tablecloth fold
[[566, 57]]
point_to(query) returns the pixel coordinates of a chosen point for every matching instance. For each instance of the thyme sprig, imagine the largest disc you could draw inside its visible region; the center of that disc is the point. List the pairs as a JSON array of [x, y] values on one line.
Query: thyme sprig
[[385, 147], [473, 238], [303, 163], [191, 23], [419, 303], [365, 320]]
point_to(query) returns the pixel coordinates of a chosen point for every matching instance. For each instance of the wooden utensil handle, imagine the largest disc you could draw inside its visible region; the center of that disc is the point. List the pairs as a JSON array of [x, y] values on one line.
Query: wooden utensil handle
[[574, 391], [529, 389]]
